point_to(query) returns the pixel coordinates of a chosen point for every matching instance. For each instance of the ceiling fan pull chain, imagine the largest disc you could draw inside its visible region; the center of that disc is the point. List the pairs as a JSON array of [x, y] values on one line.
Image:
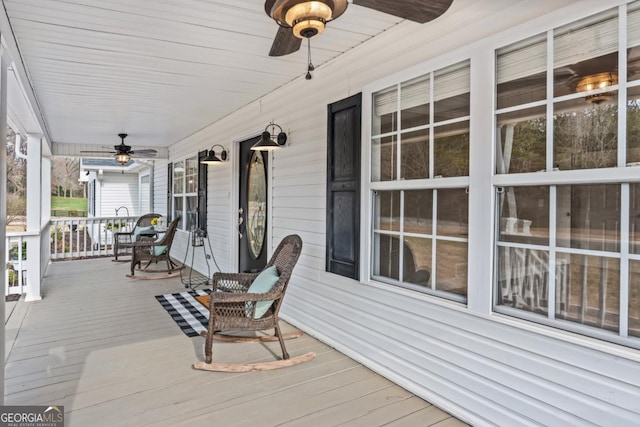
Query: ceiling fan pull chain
[[310, 67]]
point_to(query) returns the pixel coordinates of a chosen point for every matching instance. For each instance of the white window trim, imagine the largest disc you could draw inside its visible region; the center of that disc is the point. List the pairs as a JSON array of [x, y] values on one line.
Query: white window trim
[[184, 195], [482, 183]]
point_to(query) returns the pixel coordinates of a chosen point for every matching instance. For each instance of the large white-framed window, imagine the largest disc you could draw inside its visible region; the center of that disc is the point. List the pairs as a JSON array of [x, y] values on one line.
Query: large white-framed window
[[184, 196], [568, 187], [419, 179]]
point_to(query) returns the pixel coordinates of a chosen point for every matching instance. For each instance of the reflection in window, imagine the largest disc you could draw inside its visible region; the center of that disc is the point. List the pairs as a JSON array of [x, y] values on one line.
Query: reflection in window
[[403, 245], [524, 215], [523, 279], [521, 141], [384, 163], [415, 154], [634, 298], [590, 293], [585, 136], [451, 150]]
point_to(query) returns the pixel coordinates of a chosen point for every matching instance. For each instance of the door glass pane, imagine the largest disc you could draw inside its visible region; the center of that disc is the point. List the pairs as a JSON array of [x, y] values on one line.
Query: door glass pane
[[521, 144], [256, 204], [523, 279], [587, 290], [451, 267], [524, 215], [588, 217], [451, 150]]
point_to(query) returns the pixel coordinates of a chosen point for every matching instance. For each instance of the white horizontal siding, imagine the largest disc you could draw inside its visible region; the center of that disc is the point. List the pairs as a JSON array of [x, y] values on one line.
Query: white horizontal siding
[[160, 183], [117, 190], [485, 369]]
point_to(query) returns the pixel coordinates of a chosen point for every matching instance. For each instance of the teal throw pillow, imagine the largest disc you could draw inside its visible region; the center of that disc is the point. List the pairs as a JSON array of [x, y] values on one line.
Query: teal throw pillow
[[159, 250], [138, 230], [265, 281]]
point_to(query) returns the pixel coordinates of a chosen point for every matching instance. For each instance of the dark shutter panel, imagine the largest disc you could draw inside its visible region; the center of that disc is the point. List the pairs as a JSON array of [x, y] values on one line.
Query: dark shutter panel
[[202, 192], [169, 191], [343, 187]]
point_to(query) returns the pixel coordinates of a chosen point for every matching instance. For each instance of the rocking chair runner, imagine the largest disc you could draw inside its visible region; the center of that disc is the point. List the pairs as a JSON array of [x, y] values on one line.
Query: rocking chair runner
[[233, 307], [122, 240], [152, 251]]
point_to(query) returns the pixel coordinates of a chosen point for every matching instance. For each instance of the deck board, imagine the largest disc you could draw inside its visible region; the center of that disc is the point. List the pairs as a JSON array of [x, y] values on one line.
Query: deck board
[[102, 346]]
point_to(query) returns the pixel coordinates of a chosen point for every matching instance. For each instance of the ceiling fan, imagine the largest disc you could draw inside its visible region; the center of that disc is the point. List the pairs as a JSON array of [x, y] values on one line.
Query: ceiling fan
[[304, 19], [122, 152]]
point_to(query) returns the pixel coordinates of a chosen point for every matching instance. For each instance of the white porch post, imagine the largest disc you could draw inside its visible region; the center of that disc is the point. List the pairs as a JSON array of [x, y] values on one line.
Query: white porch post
[[3, 203], [34, 215]]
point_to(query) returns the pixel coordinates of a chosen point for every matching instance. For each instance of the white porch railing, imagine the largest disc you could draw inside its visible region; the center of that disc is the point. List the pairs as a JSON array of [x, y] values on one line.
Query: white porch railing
[[73, 238], [65, 238]]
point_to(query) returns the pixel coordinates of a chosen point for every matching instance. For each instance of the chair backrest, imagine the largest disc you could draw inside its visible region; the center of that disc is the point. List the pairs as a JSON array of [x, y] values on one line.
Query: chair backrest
[[168, 236], [145, 220], [284, 258]]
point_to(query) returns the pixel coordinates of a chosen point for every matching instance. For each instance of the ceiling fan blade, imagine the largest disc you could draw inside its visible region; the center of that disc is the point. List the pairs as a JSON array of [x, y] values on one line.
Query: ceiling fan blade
[[285, 42], [147, 152], [413, 10]]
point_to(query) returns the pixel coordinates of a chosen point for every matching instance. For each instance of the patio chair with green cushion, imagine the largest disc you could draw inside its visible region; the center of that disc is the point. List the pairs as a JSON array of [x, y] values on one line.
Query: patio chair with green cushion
[[251, 302], [153, 249], [122, 239]]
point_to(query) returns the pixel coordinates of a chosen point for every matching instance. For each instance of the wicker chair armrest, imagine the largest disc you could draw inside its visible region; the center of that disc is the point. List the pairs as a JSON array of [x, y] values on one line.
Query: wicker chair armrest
[[122, 233], [227, 297], [145, 242], [232, 282]]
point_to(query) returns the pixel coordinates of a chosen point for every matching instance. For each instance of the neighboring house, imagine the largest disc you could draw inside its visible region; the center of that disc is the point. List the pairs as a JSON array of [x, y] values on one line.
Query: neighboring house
[[117, 190]]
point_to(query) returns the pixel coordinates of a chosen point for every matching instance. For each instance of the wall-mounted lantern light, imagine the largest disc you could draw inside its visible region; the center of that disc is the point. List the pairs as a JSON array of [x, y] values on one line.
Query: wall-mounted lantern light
[[270, 140], [212, 159]]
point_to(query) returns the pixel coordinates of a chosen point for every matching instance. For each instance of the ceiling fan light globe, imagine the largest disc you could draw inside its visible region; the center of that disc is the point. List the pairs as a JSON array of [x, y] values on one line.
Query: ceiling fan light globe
[[309, 10], [122, 158]]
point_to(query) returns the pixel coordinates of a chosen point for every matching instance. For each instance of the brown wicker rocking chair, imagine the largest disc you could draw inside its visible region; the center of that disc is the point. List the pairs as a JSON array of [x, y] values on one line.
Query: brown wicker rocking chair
[[151, 250], [123, 239], [232, 306]]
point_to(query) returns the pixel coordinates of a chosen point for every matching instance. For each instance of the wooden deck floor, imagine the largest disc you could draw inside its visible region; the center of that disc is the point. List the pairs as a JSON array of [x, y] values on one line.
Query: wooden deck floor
[[102, 346]]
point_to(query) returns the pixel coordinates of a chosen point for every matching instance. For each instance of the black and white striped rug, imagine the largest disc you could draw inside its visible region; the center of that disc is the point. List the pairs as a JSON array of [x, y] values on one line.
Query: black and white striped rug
[[191, 316]]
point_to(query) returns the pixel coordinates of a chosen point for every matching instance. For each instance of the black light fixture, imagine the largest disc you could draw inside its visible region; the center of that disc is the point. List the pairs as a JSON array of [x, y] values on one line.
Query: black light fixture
[[212, 159], [269, 139]]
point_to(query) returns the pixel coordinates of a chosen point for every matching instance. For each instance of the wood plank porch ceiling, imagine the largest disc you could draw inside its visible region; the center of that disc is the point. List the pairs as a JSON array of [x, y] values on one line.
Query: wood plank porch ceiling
[[160, 69]]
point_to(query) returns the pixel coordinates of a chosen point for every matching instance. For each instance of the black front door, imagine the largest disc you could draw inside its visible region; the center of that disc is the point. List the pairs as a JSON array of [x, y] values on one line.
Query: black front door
[[252, 210]]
